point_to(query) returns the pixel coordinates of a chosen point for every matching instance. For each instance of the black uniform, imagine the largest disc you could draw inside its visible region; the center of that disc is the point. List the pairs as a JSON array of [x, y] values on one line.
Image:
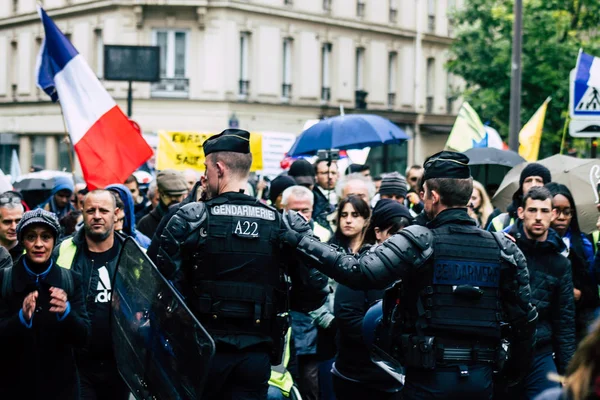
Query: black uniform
[[460, 284], [224, 256]]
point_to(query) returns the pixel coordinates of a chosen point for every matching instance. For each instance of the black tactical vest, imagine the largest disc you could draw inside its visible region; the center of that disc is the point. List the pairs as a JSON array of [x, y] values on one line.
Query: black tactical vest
[[456, 296], [236, 276]]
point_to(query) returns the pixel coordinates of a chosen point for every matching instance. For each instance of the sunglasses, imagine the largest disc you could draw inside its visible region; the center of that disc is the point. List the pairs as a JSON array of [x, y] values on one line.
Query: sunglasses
[[11, 200]]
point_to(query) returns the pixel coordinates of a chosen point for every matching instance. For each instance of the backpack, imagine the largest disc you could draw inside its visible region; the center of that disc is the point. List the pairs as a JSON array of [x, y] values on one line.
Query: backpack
[[7, 287]]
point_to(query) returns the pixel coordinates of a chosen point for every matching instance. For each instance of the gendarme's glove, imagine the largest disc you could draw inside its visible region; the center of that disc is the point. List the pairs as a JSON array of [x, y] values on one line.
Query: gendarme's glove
[[295, 226], [323, 316]]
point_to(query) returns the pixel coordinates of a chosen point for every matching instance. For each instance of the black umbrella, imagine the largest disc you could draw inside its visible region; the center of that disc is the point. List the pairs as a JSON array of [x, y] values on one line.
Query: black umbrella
[[34, 184], [489, 165], [493, 156]]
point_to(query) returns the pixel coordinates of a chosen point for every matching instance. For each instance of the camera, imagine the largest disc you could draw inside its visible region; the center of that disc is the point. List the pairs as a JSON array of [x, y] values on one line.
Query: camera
[[328, 155]]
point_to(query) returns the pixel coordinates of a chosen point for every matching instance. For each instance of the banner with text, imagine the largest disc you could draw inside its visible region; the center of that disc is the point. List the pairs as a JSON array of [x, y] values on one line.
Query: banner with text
[[183, 150]]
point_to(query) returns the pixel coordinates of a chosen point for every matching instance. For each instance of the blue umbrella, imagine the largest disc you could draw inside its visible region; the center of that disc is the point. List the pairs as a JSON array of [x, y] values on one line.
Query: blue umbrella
[[345, 132]]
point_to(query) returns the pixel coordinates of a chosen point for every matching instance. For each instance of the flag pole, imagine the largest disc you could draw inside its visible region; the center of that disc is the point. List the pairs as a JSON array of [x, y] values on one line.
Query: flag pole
[[564, 135], [68, 140]]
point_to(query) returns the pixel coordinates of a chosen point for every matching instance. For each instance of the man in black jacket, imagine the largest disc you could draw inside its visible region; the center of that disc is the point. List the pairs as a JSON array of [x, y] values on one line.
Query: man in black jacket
[[551, 290], [93, 252]]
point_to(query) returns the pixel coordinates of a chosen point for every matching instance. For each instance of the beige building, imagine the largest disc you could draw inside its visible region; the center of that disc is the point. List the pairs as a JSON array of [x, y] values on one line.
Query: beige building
[[271, 65]]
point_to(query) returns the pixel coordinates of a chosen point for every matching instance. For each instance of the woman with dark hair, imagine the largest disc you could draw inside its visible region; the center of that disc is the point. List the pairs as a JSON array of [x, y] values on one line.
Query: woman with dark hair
[[580, 253], [354, 375], [352, 220]]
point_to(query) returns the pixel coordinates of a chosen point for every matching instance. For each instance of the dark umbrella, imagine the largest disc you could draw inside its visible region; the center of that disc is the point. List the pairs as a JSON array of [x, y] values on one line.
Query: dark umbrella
[[345, 132], [489, 165], [493, 156]]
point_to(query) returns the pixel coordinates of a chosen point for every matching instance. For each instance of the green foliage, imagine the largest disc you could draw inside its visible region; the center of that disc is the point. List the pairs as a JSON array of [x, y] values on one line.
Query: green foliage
[[553, 33]]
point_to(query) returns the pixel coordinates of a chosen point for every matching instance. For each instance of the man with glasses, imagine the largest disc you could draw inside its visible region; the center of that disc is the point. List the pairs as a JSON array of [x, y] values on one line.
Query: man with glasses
[[172, 188], [11, 212], [413, 199]]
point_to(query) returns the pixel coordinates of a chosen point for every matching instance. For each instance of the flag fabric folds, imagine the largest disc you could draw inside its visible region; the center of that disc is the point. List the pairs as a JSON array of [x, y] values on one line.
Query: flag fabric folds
[[530, 136], [588, 70], [468, 131], [107, 144]]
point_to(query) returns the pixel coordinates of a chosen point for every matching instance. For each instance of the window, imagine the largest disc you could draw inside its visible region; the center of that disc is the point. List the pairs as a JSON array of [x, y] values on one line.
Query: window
[[360, 8], [393, 11], [38, 148], [286, 89], [392, 68], [327, 5], [450, 13], [360, 94], [449, 94], [8, 143], [15, 6], [65, 154], [431, 15], [99, 44], [244, 57], [173, 60], [288, 2], [430, 84], [325, 57]]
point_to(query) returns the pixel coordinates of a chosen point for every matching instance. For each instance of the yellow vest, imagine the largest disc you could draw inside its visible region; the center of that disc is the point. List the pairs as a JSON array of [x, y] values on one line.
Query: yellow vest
[[66, 253], [280, 376]]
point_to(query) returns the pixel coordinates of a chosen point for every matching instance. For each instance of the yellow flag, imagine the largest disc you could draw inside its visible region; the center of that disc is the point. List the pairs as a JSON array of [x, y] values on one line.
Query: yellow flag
[[183, 150], [531, 134], [467, 132]]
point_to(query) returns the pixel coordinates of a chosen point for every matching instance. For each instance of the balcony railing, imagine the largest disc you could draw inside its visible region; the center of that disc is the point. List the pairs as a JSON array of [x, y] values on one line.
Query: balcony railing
[[429, 105], [393, 15], [171, 87], [325, 94], [360, 9], [286, 92], [361, 99], [391, 100]]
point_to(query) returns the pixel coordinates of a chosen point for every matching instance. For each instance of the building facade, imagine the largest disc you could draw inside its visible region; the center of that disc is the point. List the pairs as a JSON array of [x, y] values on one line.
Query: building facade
[[267, 65]]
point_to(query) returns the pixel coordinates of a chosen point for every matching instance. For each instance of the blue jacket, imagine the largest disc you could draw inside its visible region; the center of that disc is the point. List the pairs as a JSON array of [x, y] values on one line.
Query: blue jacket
[[129, 223], [60, 183]]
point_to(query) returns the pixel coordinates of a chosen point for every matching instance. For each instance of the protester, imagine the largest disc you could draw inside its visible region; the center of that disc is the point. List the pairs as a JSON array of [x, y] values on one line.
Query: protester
[[413, 174], [300, 199], [278, 186], [480, 207], [355, 184], [362, 169], [151, 203], [93, 252], [139, 200], [125, 218], [172, 188], [70, 222], [533, 175], [59, 201], [303, 173], [326, 172], [354, 375], [393, 186], [42, 317], [80, 192], [580, 252], [352, 221], [191, 176], [11, 212], [583, 375], [552, 291]]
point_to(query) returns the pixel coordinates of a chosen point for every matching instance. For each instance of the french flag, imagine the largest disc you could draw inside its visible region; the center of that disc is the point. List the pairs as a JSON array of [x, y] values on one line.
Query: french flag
[[588, 70], [105, 140]]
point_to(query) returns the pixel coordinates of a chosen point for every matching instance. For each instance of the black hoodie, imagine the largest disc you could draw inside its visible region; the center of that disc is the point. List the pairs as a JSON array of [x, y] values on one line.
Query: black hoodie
[[551, 284]]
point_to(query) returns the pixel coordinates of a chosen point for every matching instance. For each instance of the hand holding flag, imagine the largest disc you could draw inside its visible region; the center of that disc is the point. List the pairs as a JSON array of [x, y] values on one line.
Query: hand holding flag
[[107, 144]]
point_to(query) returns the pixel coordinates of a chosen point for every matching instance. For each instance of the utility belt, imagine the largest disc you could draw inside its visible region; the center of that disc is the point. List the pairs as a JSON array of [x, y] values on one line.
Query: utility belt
[[223, 304], [428, 352]]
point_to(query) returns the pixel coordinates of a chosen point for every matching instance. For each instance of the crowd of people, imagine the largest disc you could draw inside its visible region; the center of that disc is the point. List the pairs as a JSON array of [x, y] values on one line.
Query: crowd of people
[[62, 255]]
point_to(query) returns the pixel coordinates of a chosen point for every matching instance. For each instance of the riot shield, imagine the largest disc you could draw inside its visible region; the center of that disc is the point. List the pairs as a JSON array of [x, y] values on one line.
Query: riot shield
[[162, 351]]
